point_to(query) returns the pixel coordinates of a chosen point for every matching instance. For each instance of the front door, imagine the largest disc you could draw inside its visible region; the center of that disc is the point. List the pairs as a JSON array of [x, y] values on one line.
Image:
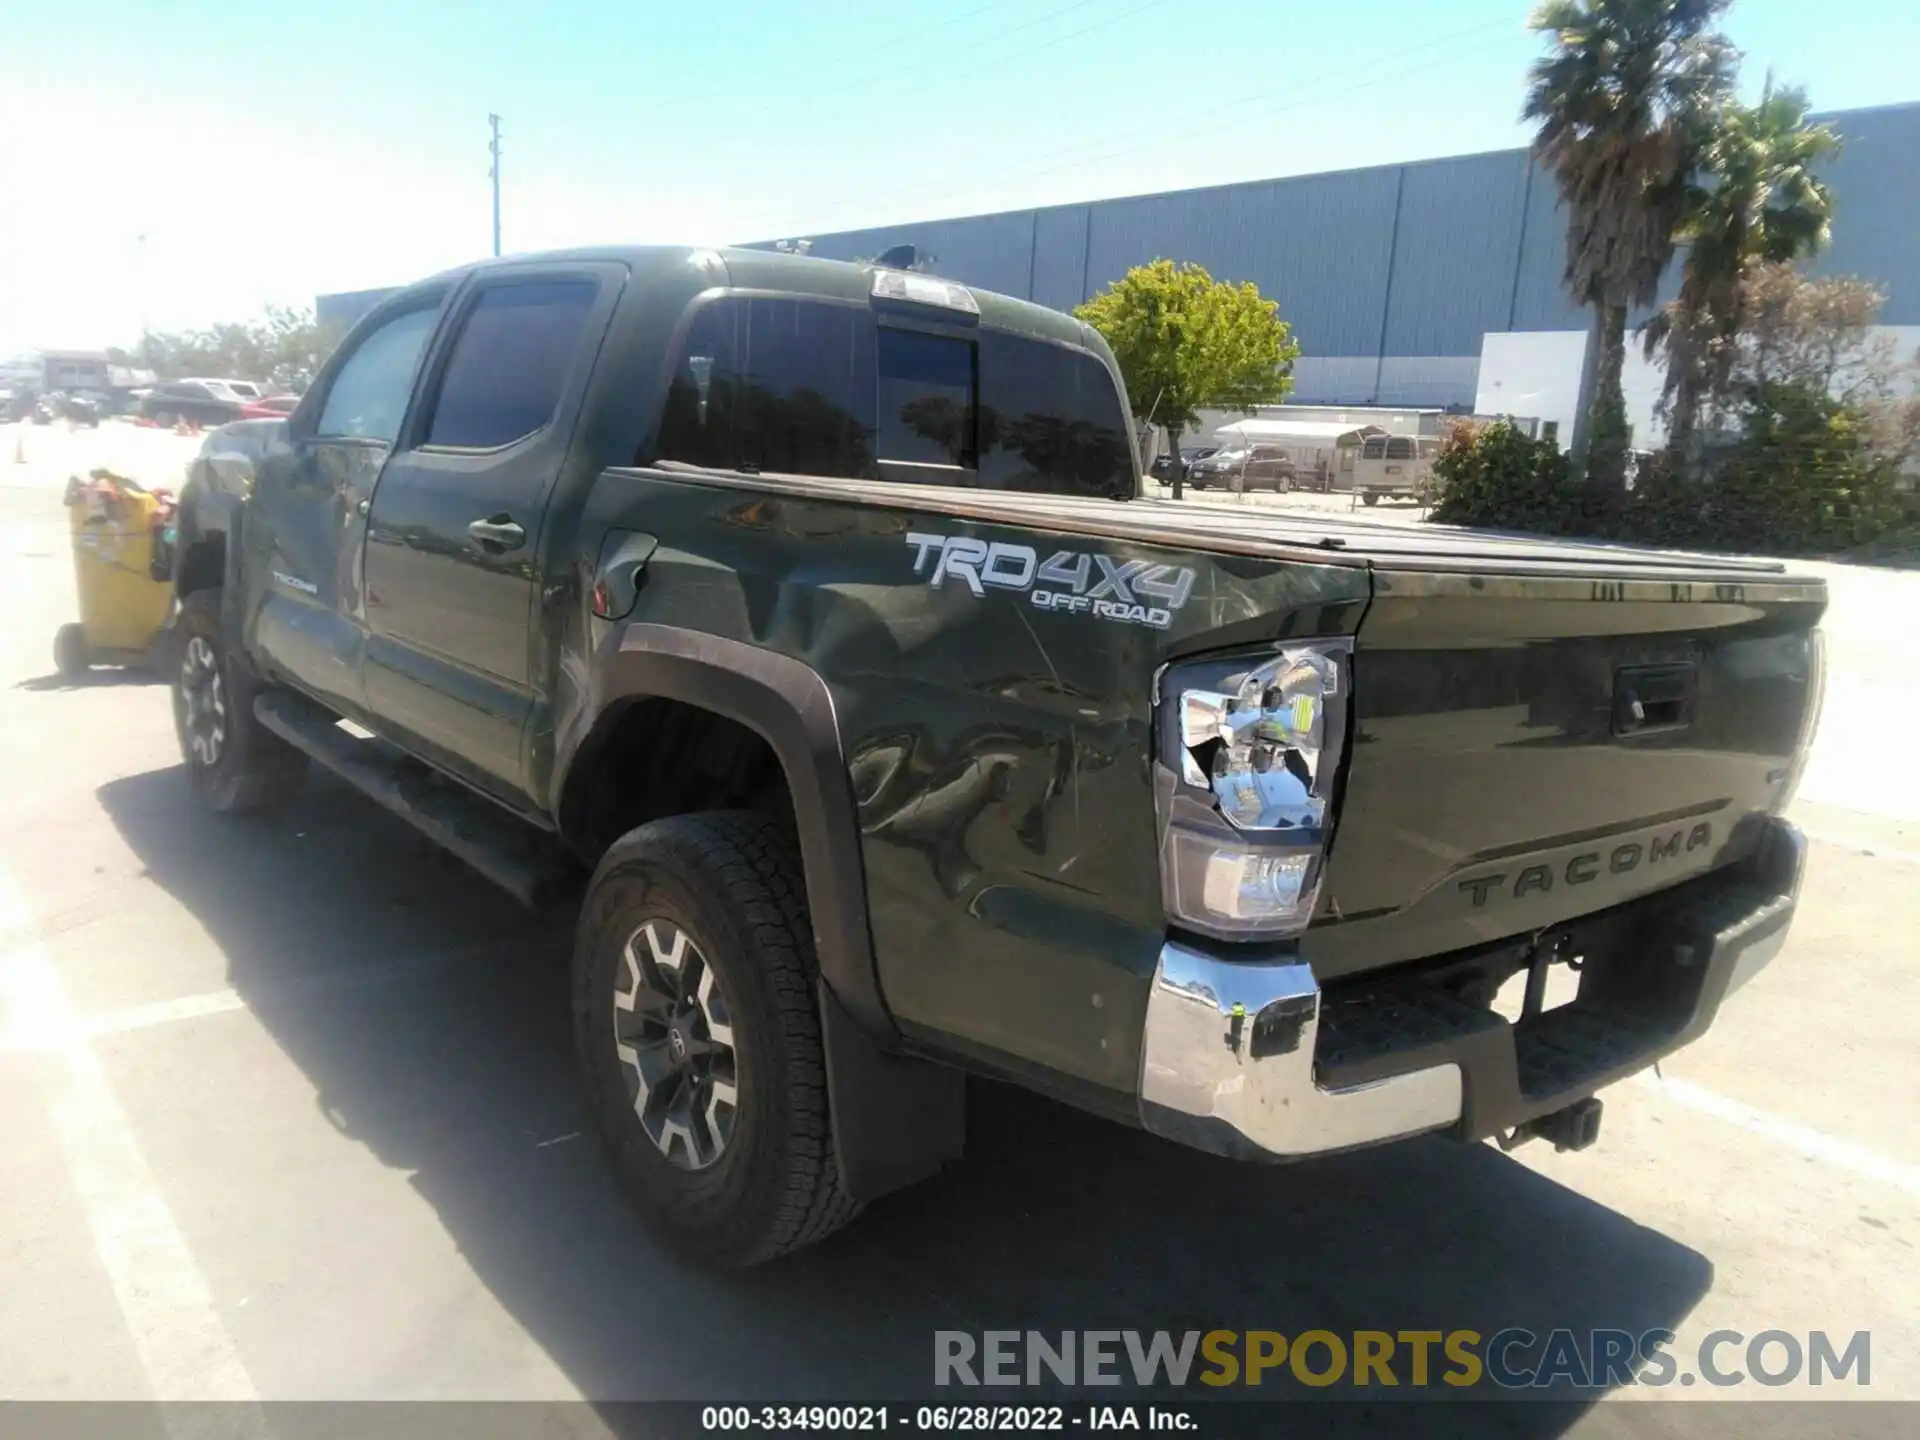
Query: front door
[[305, 604], [453, 554]]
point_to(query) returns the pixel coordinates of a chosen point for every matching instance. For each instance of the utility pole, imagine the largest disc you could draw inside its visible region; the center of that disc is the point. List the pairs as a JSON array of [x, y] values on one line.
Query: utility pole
[[493, 149]]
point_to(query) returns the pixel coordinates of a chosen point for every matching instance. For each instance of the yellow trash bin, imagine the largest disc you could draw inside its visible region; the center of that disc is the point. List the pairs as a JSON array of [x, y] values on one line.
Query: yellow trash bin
[[115, 525]]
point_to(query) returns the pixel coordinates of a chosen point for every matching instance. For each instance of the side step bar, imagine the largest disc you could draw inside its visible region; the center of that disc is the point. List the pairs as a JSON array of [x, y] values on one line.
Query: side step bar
[[526, 863]]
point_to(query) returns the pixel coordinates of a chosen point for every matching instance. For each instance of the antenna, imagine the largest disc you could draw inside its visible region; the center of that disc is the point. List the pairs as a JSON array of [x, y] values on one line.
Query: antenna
[[493, 174]]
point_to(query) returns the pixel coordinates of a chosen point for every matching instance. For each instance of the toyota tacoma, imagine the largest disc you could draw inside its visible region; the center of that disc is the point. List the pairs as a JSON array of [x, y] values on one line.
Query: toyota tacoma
[[804, 621]]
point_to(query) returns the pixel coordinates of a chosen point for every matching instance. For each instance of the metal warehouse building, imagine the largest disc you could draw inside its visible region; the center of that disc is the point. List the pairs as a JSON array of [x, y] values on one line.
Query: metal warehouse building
[[1393, 277]]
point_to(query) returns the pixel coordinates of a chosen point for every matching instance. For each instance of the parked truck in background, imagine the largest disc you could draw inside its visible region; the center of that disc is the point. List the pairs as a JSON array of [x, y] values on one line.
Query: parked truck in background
[[804, 617], [1395, 467]]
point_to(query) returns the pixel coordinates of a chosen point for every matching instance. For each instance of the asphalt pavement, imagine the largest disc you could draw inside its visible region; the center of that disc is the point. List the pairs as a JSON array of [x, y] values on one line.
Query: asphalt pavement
[[289, 1115]]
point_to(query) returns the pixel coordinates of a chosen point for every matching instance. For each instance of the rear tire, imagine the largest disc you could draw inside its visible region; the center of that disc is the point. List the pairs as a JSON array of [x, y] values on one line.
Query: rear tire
[[234, 762], [699, 1037], [1370, 498]]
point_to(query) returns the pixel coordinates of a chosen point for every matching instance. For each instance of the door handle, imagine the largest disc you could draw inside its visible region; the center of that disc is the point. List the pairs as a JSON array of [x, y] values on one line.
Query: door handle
[[498, 533]]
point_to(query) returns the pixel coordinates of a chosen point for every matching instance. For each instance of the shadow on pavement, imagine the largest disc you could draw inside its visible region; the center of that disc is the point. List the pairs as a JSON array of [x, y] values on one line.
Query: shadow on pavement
[[103, 677], [461, 1073]]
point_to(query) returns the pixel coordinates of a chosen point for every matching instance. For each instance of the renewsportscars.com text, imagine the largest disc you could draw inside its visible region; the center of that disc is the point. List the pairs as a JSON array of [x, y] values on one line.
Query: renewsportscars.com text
[[1509, 1359]]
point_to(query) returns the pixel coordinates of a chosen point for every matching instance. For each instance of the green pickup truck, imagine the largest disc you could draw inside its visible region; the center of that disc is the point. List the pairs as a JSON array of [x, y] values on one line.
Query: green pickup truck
[[802, 623]]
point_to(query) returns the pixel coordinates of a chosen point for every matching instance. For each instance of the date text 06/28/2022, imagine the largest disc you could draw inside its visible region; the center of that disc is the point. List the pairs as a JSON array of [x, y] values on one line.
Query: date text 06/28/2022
[[940, 1419]]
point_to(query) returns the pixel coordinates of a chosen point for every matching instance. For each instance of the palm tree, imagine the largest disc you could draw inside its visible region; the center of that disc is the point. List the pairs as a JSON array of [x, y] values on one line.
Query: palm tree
[[1757, 201], [1619, 102]]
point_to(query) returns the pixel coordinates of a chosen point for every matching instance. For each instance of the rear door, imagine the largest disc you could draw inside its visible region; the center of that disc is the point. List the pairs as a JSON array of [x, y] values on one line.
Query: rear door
[[452, 568]]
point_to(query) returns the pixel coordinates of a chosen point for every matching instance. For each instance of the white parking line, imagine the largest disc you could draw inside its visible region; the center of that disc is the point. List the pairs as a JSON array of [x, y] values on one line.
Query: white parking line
[[425, 966], [169, 1311], [1810, 1143]]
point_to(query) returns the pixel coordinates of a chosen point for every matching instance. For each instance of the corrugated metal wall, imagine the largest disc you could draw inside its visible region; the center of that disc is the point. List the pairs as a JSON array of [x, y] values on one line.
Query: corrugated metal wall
[[1390, 276], [1876, 223]]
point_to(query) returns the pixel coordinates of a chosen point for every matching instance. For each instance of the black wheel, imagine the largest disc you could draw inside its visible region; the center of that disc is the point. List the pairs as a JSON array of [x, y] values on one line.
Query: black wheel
[[1370, 498], [235, 762], [699, 1038], [165, 417], [70, 655]]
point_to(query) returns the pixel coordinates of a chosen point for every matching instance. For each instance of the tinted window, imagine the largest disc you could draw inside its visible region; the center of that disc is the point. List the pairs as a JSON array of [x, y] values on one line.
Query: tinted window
[[1050, 420], [925, 399], [810, 388], [1374, 447], [369, 393], [774, 385], [1400, 447], [510, 363]]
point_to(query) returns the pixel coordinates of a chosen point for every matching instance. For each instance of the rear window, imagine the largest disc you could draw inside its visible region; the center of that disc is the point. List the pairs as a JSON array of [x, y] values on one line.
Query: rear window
[[1400, 447], [813, 388], [925, 403]]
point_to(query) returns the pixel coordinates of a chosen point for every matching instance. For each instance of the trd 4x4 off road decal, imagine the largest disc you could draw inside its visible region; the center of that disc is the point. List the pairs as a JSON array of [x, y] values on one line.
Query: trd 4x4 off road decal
[[1135, 592]]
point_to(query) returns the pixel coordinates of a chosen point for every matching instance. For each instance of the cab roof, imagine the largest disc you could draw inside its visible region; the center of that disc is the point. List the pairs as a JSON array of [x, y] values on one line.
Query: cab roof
[[747, 269]]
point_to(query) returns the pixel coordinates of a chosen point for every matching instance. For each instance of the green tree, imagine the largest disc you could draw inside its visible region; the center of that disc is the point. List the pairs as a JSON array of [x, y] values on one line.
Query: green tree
[[1620, 102], [285, 347], [1755, 201], [1187, 342]]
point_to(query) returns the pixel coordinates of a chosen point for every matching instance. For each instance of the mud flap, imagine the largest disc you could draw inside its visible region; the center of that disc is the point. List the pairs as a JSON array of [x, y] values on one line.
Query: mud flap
[[896, 1120]]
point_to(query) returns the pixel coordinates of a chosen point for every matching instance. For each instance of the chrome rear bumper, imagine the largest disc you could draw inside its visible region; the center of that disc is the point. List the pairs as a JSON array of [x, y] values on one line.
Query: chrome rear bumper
[[1228, 1055], [1228, 1066]]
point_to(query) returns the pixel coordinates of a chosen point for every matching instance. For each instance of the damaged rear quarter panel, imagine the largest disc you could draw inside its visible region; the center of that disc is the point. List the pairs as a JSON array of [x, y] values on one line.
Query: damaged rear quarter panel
[[997, 748]]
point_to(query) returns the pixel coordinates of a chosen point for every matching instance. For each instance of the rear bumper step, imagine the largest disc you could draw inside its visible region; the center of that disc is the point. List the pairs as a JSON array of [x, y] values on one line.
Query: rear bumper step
[[1251, 1058]]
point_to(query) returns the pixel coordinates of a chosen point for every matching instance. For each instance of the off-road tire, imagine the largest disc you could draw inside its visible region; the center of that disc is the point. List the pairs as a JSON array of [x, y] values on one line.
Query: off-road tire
[[731, 881], [253, 769]]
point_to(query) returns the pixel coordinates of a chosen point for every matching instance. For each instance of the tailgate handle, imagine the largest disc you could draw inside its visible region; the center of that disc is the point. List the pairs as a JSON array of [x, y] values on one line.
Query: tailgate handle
[[1650, 698]]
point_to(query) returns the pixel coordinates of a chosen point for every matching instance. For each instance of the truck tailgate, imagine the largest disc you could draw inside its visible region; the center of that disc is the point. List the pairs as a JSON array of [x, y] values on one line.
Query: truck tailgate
[[1530, 746]]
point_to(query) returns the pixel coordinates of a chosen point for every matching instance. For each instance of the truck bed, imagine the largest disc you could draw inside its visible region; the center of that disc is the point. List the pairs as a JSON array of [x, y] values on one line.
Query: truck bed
[[1499, 782], [1259, 531]]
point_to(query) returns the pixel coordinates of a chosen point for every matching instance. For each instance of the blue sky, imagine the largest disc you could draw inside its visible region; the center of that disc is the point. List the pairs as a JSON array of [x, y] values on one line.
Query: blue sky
[[268, 152]]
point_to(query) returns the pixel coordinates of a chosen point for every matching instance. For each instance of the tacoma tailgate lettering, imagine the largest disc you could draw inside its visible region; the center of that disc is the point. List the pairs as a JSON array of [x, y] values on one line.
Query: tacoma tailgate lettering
[[1584, 867]]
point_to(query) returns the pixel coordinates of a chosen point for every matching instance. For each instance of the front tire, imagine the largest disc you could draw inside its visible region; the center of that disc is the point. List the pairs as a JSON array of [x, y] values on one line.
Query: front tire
[[234, 762], [699, 1038], [1370, 498]]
